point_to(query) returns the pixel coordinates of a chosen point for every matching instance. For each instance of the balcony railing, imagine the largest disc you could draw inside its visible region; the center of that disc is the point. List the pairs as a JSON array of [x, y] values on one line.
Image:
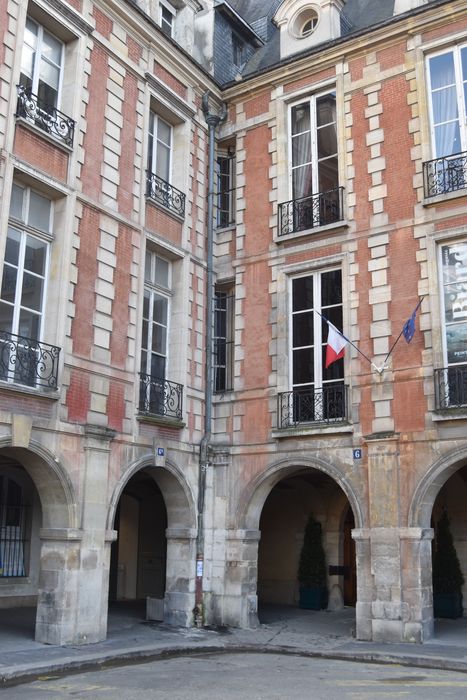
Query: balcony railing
[[13, 540], [159, 397], [44, 116], [28, 362], [451, 387], [444, 175], [310, 212], [327, 405], [166, 194]]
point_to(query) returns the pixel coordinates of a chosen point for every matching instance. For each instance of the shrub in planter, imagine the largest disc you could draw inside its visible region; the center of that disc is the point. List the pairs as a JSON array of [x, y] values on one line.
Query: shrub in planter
[[312, 568], [447, 575]]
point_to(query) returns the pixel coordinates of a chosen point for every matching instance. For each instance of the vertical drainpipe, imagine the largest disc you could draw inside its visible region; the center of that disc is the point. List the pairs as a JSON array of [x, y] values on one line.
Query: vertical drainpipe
[[213, 121]]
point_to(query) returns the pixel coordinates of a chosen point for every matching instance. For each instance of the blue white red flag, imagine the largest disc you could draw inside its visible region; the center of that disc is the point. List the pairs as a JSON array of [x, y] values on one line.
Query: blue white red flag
[[336, 345]]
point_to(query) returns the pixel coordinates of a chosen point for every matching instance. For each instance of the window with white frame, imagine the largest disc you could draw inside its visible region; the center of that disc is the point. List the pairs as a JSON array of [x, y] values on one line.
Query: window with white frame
[[167, 18], [317, 392], [225, 187], [154, 338], [224, 302], [447, 73], [313, 145], [41, 64], [452, 380], [23, 289], [160, 147]]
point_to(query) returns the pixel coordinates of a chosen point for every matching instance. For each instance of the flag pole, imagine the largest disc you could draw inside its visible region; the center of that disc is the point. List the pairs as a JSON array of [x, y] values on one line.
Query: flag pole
[[378, 369], [400, 334]]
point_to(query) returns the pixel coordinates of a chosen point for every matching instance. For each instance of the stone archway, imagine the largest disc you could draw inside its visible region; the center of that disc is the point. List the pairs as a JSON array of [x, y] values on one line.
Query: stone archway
[[55, 526], [241, 599], [180, 534]]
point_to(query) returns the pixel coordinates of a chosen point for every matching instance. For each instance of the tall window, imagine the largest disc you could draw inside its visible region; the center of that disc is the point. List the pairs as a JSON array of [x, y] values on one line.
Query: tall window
[[453, 380], [313, 140], [22, 297], [41, 64], [155, 316], [223, 339], [447, 73], [167, 16], [160, 147], [318, 393], [225, 188]]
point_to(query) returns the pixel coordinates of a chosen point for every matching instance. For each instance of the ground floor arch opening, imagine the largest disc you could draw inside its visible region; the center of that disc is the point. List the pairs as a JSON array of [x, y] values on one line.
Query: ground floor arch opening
[[302, 493]]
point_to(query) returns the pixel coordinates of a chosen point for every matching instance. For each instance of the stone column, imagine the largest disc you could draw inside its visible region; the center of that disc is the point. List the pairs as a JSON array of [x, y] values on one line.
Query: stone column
[[363, 610], [57, 599], [241, 578], [417, 589], [179, 599]]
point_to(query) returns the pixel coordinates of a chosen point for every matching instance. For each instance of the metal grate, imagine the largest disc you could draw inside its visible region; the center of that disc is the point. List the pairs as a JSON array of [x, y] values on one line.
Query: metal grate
[[326, 405], [451, 387], [27, 361], [159, 397], [13, 540], [44, 116], [166, 194], [316, 210], [443, 175]]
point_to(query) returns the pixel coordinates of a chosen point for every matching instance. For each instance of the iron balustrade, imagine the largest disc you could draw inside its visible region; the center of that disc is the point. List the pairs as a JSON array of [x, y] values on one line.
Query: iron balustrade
[[44, 116], [159, 397], [166, 194], [316, 210], [327, 405], [28, 362], [443, 175], [13, 540], [451, 387]]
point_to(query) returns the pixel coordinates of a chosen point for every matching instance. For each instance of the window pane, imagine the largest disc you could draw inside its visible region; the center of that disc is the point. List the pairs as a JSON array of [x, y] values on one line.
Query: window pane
[[445, 105], [50, 75], [328, 177], [301, 118], [52, 48], [302, 293], [29, 324], [455, 302], [159, 339], [327, 141], [32, 291], [159, 309], [447, 139], [39, 211], [302, 182], [163, 162], [301, 149], [148, 267], [27, 63], [334, 371], [35, 255], [331, 288], [145, 335], [146, 302], [16, 202], [442, 70], [12, 246], [164, 132], [326, 109], [9, 283], [47, 96], [6, 322], [303, 371], [454, 262], [456, 341], [162, 272], [157, 366], [303, 329]]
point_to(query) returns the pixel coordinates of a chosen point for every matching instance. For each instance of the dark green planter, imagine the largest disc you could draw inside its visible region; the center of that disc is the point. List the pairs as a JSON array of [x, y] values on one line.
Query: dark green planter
[[313, 598], [447, 605]]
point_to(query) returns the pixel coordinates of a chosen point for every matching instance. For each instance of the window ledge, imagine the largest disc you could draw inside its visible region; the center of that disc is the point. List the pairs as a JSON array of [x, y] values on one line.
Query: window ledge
[[160, 420], [444, 197], [316, 230], [49, 395], [225, 229], [167, 210], [446, 414], [312, 429], [44, 134]]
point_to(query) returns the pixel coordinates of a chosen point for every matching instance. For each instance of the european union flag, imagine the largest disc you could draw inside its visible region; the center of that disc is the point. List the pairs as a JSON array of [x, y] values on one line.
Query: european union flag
[[409, 326]]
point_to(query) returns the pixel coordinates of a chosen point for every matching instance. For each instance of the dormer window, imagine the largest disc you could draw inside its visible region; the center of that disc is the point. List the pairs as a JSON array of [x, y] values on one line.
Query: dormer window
[[308, 25], [167, 18]]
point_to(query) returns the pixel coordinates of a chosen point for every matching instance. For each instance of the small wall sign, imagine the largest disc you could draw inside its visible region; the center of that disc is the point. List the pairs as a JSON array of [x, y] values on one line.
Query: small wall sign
[[357, 453]]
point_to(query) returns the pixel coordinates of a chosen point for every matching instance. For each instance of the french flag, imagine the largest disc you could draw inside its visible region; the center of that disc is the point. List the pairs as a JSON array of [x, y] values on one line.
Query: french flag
[[336, 345]]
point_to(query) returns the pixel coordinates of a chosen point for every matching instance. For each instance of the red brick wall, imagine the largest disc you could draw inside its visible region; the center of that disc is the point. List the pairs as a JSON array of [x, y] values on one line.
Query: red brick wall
[[128, 145], [120, 306], [78, 397], [95, 118], [167, 78], [40, 153], [84, 294], [163, 224]]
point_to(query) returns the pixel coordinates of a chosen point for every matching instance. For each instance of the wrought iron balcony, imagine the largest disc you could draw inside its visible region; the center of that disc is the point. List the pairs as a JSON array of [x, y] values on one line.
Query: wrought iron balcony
[[166, 194], [443, 175], [159, 397], [310, 212], [451, 387], [28, 362], [327, 405], [44, 116]]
